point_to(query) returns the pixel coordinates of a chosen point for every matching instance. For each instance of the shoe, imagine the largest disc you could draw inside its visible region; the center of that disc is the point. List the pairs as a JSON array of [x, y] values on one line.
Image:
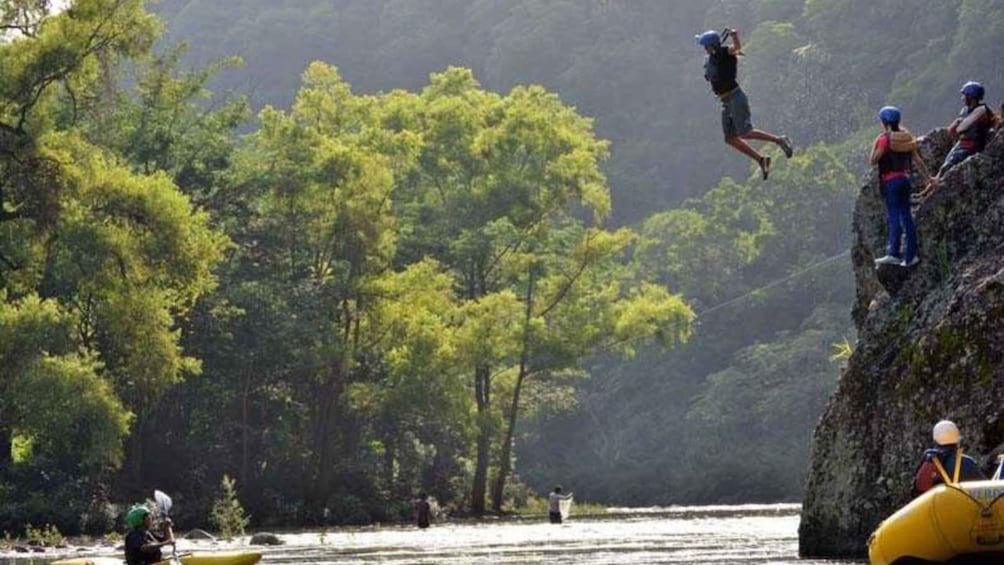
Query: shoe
[[912, 262], [889, 260], [786, 146], [765, 166]]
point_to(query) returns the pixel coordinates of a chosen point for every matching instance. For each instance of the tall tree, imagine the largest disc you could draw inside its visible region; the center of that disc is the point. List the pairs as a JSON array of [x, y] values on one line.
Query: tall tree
[[107, 258], [505, 185]]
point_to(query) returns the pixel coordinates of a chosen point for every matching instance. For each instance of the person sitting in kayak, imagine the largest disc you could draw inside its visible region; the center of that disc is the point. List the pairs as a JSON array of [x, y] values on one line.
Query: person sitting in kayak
[[720, 70], [554, 504], [946, 435], [142, 546]]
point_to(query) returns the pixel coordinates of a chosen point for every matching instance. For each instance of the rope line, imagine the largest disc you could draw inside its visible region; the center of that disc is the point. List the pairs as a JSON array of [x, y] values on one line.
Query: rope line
[[774, 283]]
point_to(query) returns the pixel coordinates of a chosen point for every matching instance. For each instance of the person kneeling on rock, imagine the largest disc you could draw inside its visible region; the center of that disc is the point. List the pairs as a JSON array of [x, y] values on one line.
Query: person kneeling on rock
[[895, 152], [971, 129], [939, 463]]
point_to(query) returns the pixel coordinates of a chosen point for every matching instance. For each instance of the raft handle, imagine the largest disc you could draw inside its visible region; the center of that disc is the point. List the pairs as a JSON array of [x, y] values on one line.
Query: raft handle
[[996, 540]]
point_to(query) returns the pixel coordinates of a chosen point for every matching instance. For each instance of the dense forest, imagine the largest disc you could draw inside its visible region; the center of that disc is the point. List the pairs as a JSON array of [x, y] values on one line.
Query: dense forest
[[345, 251]]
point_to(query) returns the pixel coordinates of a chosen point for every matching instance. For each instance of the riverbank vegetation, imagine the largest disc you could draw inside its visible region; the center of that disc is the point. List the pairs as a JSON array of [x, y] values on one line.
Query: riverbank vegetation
[[455, 247]]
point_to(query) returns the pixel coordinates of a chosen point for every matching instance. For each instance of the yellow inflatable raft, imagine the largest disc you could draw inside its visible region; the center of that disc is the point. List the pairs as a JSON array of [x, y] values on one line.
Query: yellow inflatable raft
[[951, 520], [231, 558]]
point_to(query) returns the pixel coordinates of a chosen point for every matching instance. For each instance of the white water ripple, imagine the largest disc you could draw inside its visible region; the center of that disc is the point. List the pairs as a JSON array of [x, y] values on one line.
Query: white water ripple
[[719, 535]]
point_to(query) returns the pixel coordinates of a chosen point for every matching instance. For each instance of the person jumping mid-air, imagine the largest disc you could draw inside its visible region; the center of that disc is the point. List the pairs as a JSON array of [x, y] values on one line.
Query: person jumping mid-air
[[720, 70]]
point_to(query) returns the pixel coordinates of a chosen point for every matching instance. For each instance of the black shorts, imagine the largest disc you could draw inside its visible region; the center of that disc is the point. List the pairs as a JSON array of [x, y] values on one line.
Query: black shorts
[[736, 119], [555, 517]]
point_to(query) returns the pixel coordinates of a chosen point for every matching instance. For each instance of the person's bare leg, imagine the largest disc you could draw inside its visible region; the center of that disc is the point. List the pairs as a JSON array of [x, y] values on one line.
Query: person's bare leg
[[762, 136], [744, 148], [781, 141]]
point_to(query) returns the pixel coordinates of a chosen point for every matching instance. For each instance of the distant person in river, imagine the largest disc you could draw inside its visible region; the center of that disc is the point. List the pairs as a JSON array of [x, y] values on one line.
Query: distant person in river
[[720, 70], [946, 436], [895, 152], [970, 130], [142, 545], [554, 504], [422, 510]]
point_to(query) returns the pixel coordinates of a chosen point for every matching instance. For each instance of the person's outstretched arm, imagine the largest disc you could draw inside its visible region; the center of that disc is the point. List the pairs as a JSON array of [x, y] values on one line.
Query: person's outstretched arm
[[737, 44], [878, 149], [930, 183], [971, 119], [921, 165]]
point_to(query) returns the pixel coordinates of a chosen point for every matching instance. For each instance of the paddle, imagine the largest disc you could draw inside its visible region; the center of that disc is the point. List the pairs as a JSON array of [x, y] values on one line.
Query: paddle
[[164, 504]]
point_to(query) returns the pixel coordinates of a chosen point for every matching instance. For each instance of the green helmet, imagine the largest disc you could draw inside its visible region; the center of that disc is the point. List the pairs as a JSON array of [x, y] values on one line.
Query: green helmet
[[136, 515]]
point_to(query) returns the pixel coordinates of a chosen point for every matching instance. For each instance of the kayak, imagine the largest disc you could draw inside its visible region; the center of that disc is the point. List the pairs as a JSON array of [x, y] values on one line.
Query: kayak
[[198, 558], [945, 523]]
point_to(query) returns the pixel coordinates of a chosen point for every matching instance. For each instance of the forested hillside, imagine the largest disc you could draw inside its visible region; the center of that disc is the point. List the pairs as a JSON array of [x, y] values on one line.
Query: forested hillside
[[403, 237]]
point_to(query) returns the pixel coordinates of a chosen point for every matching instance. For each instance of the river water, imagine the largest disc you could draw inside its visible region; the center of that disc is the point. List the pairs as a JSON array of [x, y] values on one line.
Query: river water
[[719, 535]]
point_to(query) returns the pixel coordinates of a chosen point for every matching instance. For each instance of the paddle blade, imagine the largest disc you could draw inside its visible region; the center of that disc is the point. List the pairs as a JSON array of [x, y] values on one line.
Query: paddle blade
[[163, 502]]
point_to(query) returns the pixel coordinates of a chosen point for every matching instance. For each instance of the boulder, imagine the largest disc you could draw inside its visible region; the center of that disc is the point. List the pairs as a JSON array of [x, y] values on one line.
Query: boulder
[[265, 538]]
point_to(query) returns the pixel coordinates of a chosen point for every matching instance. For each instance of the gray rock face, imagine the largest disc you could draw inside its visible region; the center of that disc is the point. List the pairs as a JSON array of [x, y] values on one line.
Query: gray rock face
[[930, 346]]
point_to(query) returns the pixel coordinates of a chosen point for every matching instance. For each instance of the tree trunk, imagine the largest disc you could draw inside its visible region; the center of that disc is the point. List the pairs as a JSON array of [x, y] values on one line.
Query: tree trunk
[[324, 431], [136, 441], [245, 432], [5, 449], [389, 455], [505, 463], [482, 394]]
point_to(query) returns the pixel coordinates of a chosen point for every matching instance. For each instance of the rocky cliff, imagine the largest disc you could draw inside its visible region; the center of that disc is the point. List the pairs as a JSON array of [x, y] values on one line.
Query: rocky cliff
[[930, 343]]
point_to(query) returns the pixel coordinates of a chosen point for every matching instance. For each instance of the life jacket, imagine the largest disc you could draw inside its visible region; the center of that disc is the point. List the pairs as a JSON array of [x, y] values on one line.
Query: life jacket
[[975, 137], [898, 159], [720, 70]]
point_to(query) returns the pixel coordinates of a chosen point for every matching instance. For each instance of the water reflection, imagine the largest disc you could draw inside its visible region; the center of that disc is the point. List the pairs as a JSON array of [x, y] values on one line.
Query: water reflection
[[703, 535]]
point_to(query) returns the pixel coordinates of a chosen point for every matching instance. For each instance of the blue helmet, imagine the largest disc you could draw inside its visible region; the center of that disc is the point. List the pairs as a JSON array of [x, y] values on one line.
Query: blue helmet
[[889, 115], [707, 38], [973, 89]]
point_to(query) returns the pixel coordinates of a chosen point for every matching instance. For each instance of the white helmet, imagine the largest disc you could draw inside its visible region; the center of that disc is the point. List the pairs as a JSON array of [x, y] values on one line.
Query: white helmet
[[946, 433]]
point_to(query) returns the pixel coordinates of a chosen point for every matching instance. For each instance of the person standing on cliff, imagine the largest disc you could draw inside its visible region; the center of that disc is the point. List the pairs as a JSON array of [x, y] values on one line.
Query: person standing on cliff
[[946, 436], [720, 70], [895, 152]]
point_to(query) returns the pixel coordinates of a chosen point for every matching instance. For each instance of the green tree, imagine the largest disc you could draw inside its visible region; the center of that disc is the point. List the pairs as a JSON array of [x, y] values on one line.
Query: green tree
[[114, 256], [501, 180]]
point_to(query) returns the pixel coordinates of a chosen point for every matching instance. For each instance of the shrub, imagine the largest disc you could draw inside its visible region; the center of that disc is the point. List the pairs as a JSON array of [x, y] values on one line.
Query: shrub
[[227, 513], [48, 535]]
